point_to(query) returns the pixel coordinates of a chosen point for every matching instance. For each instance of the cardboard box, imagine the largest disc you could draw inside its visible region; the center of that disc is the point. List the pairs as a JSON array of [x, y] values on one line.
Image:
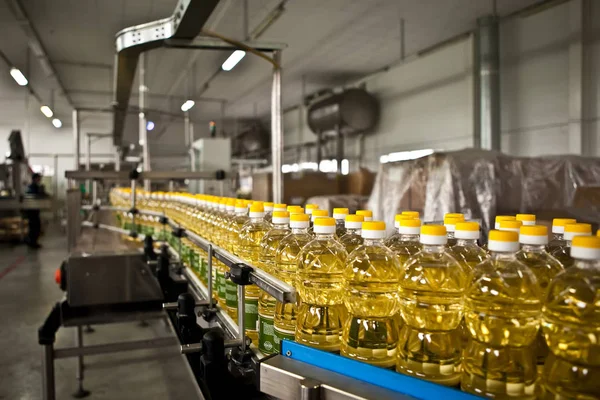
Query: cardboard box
[[297, 187]]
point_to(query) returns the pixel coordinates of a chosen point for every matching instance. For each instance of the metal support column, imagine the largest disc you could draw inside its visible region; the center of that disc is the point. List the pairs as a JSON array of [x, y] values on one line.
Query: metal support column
[[48, 389], [143, 133], [487, 84], [276, 130], [88, 160], [117, 158], [76, 139], [81, 392]]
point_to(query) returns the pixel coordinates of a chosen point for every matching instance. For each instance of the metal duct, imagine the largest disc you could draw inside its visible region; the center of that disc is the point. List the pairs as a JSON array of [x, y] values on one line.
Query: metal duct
[[350, 112], [186, 22]]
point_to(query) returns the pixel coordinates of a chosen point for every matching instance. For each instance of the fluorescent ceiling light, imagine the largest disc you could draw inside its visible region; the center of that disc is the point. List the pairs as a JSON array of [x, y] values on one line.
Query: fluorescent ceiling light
[[187, 105], [149, 125], [57, 123], [233, 60], [18, 77], [345, 167], [405, 155], [46, 111]]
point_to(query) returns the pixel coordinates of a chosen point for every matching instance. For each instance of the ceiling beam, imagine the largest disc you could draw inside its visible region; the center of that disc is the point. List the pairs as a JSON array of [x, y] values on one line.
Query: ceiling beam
[[36, 45]]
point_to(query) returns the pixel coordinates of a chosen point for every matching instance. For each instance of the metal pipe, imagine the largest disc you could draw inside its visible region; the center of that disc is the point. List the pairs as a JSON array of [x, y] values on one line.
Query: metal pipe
[[210, 272], [48, 390], [79, 343], [76, 138], [88, 159], [192, 152], [487, 84], [143, 133], [276, 130], [241, 317]]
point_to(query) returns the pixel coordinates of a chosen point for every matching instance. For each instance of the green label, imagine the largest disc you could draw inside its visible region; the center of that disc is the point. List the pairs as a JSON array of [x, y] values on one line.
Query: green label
[[215, 284], [203, 269], [230, 294], [194, 261], [266, 342], [251, 314], [127, 226], [221, 285], [280, 334]]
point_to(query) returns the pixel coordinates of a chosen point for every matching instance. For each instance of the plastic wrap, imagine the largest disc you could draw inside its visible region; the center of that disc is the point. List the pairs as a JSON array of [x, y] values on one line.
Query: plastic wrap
[[481, 184]]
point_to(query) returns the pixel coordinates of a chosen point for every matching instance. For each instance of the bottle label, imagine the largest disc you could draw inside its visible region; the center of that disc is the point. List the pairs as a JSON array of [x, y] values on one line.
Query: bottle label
[[251, 314], [221, 285], [215, 285], [194, 261], [280, 334], [266, 342], [203, 269], [231, 298]]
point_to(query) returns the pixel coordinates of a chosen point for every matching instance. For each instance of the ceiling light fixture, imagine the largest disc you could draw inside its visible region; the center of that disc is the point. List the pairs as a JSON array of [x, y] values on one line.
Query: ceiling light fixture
[[187, 105], [149, 125], [57, 123], [18, 77], [233, 60], [47, 111]]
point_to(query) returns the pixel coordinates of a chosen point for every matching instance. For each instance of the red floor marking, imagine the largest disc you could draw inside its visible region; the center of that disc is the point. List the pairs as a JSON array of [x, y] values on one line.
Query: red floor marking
[[12, 266]]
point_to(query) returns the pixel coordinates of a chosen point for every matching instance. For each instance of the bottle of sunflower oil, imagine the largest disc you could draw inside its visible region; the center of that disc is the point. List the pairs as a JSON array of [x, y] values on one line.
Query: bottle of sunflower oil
[[276, 207], [371, 279], [352, 238], [221, 240], [316, 214], [405, 243], [526, 219], [466, 250], [395, 237], [269, 206], [286, 261], [502, 314], [266, 304], [310, 208], [236, 223], [431, 304], [563, 253], [533, 239], [250, 237], [319, 276], [450, 221], [571, 326], [558, 230], [339, 214], [367, 214]]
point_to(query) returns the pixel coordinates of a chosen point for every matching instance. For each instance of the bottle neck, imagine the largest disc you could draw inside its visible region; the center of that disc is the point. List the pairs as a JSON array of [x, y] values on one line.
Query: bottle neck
[[558, 236], [502, 255], [283, 225], [353, 231], [587, 264], [298, 231], [466, 242], [450, 234], [324, 236], [433, 248], [257, 219], [533, 248], [373, 242], [405, 237]]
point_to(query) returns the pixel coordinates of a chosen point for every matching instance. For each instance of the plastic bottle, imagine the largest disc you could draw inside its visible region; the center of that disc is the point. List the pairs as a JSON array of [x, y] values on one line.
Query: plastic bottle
[[466, 250], [321, 265], [250, 237], [266, 305], [276, 207], [339, 214], [367, 214], [234, 227], [371, 279], [450, 221], [526, 219], [558, 230], [310, 208], [533, 240], [431, 292], [502, 311], [571, 326], [286, 260], [352, 238], [563, 253], [405, 243]]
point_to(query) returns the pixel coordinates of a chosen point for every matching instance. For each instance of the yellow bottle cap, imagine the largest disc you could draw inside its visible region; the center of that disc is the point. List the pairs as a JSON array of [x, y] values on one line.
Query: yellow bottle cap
[[525, 217], [257, 207], [354, 218], [320, 213], [292, 208], [298, 210], [503, 241], [500, 218], [433, 235], [534, 235], [339, 213], [365, 213], [589, 242], [412, 214], [578, 228], [598, 233], [452, 220], [467, 226], [300, 217], [280, 206], [373, 226], [269, 204], [410, 222], [311, 206], [408, 226], [509, 225], [281, 214], [400, 217], [455, 215], [563, 221], [324, 221], [503, 236], [585, 248]]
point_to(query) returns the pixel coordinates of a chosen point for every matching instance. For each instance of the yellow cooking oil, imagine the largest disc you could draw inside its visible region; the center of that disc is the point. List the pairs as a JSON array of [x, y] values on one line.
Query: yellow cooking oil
[[352, 238], [431, 304], [321, 265], [466, 250], [280, 228], [450, 221], [226, 210], [286, 263], [250, 237], [233, 228], [533, 240], [502, 314], [558, 231], [571, 326], [563, 253], [370, 285], [367, 214], [339, 214], [405, 242]]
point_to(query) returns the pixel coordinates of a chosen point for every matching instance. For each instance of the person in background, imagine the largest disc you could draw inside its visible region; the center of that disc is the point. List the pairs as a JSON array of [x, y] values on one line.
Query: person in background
[[35, 223]]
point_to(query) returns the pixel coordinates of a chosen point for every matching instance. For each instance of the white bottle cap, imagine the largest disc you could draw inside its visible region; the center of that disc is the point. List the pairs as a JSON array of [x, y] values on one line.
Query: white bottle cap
[[373, 230]]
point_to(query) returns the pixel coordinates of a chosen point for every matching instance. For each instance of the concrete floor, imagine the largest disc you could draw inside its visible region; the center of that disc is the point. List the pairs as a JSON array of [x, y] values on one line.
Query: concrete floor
[[27, 293]]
